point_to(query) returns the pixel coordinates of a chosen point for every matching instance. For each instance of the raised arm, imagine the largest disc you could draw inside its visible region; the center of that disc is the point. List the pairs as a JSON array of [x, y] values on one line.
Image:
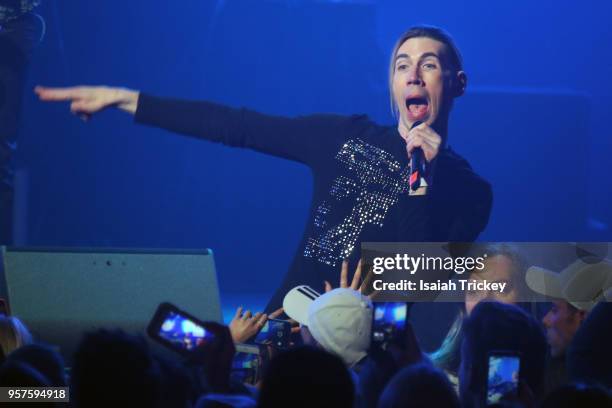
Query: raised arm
[[304, 139]]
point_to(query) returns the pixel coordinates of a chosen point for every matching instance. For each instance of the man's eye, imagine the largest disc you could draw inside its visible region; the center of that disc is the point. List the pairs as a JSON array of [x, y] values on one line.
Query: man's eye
[[429, 65], [402, 67]]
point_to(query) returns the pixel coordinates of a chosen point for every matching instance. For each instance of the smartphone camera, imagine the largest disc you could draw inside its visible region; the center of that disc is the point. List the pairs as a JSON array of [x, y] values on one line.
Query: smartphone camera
[[503, 376], [388, 323], [274, 333], [183, 332], [247, 364], [179, 330]]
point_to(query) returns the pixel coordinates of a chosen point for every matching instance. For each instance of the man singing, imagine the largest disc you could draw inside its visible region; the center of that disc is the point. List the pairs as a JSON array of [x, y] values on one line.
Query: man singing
[[361, 170]]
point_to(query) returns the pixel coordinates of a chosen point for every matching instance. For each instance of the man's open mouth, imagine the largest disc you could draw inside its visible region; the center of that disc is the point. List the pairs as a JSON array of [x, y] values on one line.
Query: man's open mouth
[[417, 108]]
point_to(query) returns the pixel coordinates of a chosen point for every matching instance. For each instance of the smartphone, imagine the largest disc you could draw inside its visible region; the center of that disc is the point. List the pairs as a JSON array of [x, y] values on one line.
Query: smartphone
[[388, 323], [503, 375], [274, 333], [247, 364], [179, 330]]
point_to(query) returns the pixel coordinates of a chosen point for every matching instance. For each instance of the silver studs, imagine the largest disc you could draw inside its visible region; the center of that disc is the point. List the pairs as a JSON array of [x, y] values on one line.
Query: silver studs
[[371, 181]]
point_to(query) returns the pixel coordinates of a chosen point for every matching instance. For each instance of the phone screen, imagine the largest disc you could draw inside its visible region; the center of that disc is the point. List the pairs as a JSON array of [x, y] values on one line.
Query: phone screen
[[245, 367], [503, 377], [182, 332], [275, 332], [389, 320]]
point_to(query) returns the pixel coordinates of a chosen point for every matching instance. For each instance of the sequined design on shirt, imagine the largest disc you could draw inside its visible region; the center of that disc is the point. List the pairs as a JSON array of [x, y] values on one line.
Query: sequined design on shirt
[[372, 180]]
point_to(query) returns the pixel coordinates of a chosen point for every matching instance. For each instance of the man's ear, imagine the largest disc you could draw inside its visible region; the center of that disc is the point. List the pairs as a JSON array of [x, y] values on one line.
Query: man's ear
[[459, 83]]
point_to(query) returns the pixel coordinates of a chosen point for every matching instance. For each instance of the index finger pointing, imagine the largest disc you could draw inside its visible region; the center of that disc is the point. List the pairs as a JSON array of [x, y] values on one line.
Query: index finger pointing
[[59, 94]]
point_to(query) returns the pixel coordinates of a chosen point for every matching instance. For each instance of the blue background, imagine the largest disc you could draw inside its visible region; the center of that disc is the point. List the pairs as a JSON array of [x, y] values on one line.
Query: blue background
[[534, 121]]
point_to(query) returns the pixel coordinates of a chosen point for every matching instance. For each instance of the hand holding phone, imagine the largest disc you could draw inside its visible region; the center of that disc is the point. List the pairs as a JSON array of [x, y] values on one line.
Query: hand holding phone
[[207, 345], [388, 323], [180, 331], [275, 333], [392, 333]]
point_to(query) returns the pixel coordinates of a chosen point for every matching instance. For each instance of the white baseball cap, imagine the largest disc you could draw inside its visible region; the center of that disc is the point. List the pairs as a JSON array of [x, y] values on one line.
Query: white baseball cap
[[297, 301], [581, 284], [339, 320]]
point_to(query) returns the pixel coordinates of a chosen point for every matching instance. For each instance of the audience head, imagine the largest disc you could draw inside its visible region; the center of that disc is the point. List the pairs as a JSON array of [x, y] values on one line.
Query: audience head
[[503, 263], [13, 334], [15, 373], [590, 353], [44, 359], [419, 386], [306, 377], [113, 360], [574, 292], [561, 321], [178, 388], [495, 326], [578, 396], [339, 321]]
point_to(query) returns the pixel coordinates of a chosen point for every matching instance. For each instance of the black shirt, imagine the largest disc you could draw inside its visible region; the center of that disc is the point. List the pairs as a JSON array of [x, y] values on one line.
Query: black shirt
[[360, 174]]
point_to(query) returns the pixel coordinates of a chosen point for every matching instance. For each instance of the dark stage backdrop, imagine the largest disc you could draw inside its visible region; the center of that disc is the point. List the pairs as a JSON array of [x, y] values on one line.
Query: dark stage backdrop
[[534, 120]]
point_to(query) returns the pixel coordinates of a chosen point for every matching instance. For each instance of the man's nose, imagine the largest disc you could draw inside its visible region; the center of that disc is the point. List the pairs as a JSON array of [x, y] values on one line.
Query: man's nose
[[414, 76]]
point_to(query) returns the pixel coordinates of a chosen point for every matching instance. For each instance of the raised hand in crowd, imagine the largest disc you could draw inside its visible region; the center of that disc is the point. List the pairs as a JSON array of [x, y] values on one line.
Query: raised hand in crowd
[[245, 326], [356, 282]]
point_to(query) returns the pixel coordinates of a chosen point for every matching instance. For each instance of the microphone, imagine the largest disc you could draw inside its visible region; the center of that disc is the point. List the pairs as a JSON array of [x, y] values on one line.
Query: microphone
[[417, 164]]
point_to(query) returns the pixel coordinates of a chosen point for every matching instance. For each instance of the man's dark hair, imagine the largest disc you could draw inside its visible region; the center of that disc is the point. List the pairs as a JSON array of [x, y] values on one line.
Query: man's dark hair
[[112, 368], [419, 386], [494, 326], [435, 33], [426, 31], [306, 377]]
